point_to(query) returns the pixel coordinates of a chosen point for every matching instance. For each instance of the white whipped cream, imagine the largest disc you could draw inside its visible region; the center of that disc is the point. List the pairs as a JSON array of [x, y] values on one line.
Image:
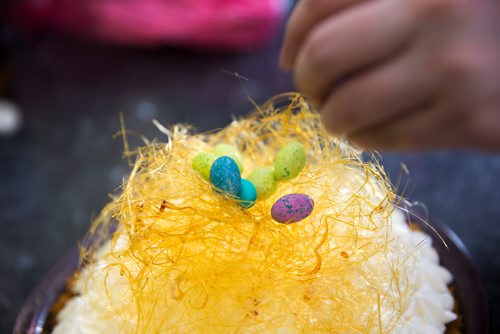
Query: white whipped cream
[[431, 307]]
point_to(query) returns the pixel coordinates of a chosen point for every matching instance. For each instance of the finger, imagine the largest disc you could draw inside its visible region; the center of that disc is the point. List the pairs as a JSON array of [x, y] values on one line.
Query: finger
[[378, 95], [353, 40], [427, 127], [305, 16]]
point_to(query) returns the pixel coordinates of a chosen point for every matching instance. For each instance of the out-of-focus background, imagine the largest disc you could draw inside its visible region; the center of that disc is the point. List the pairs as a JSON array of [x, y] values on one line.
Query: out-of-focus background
[[63, 85]]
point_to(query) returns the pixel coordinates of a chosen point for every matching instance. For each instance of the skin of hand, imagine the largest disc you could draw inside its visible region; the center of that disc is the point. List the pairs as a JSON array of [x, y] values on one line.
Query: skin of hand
[[400, 74]]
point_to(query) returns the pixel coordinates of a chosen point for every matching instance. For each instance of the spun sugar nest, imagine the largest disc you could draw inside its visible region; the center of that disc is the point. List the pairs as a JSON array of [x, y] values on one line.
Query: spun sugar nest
[[168, 254]]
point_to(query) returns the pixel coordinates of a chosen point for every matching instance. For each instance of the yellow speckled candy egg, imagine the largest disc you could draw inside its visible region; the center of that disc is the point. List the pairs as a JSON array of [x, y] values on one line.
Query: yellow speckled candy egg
[[229, 151], [202, 162], [289, 161], [264, 182]]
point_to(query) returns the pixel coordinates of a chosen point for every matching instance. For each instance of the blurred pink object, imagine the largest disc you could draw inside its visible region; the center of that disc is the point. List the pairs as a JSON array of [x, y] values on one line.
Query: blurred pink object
[[210, 24]]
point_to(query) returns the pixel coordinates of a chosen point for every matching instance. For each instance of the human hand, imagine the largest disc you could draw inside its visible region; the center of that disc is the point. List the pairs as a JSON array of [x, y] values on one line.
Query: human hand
[[400, 74]]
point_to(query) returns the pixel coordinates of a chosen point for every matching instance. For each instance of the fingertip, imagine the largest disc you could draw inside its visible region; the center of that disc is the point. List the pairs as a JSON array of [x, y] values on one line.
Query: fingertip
[[284, 61], [328, 121], [315, 103], [363, 143], [333, 120]]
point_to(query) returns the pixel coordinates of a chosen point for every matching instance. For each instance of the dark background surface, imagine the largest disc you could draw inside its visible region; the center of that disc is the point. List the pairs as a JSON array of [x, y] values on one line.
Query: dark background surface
[[58, 171]]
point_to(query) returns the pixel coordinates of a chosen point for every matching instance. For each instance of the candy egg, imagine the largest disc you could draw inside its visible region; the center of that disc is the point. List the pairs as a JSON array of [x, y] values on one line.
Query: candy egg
[[292, 208], [247, 194], [225, 175], [229, 151], [264, 181], [202, 162], [289, 161]]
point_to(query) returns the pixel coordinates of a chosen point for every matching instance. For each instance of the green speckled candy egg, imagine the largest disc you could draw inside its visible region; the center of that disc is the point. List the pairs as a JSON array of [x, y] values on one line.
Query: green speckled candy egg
[[202, 162], [264, 182], [289, 161], [229, 151]]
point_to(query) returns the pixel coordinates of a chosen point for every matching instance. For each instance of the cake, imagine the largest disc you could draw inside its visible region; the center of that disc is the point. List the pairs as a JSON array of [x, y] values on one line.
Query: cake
[[175, 252]]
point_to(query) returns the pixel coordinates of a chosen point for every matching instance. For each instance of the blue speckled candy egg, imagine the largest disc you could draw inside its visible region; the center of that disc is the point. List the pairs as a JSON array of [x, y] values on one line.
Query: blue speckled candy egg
[[225, 175], [292, 208], [247, 194]]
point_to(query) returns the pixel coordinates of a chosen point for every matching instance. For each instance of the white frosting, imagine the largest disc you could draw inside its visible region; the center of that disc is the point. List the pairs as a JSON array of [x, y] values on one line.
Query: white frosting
[[426, 310], [431, 307]]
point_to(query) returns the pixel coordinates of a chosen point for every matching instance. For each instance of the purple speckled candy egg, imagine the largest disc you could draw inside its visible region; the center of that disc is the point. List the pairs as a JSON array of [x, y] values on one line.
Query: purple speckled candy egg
[[292, 208]]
